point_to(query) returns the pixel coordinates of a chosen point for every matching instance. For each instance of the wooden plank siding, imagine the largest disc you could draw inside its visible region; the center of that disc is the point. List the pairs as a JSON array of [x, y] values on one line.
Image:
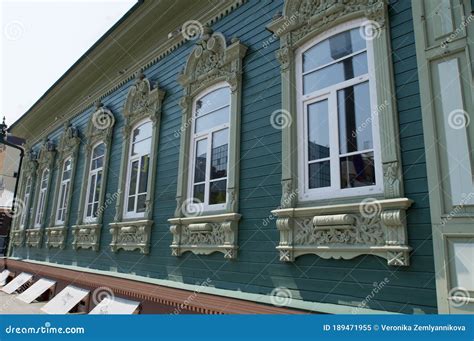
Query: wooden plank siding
[[258, 270]]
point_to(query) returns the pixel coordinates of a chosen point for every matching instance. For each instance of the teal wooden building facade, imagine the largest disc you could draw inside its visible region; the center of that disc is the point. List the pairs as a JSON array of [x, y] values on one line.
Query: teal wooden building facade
[[116, 156]]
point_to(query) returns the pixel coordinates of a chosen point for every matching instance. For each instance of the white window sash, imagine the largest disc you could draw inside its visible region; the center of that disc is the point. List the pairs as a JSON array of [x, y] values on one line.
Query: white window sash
[[330, 93], [131, 159], [93, 172], [207, 134]]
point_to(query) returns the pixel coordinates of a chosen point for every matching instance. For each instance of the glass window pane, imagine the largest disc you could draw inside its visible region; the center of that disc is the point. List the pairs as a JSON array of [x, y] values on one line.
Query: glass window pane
[[141, 203], [318, 130], [217, 192], [67, 170], [332, 49], [200, 162], [336, 73], [357, 170], [98, 186], [133, 178], [319, 174], [212, 101], [99, 150], [214, 119], [220, 142], [143, 183], [142, 147], [96, 206], [89, 211], [142, 132], [355, 120], [131, 204], [91, 189], [199, 193]]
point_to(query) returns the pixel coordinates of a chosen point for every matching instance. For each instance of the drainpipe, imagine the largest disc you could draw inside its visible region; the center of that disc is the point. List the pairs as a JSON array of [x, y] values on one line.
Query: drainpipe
[[3, 140]]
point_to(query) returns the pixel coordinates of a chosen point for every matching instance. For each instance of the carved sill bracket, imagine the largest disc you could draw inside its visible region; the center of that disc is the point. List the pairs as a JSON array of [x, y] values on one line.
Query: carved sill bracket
[[203, 235], [86, 236], [34, 237], [56, 237], [346, 231], [17, 238], [131, 235]]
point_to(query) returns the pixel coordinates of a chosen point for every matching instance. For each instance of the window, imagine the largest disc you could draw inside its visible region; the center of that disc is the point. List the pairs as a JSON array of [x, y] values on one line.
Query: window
[[337, 118], [65, 187], [94, 183], [26, 203], [138, 170], [209, 146], [40, 211]]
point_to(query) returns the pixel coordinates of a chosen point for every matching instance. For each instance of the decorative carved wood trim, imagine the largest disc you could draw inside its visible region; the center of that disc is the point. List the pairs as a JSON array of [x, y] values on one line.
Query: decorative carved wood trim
[[205, 235], [56, 237], [45, 160], [34, 237], [86, 236], [144, 101], [68, 147], [100, 129], [346, 231], [131, 235], [17, 238], [212, 61]]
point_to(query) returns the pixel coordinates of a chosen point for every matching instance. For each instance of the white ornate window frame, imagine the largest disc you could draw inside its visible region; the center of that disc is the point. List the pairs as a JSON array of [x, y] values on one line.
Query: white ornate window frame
[[68, 148], [143, 102], [28, 173], [45, 160], [349, 226], [86, 233], [211, 62]]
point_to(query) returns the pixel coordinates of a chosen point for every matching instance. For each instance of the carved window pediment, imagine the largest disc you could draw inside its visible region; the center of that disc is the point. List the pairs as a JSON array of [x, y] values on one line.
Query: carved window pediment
[[143, 101], [46, 155], [212, 61]]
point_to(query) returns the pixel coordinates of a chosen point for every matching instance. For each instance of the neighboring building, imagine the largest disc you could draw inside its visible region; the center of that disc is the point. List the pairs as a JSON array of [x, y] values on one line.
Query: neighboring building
[[264, 156], [9, 163]]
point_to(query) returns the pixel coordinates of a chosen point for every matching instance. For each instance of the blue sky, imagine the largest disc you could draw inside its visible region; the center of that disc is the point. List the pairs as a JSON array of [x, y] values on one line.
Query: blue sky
[[41, 39]]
